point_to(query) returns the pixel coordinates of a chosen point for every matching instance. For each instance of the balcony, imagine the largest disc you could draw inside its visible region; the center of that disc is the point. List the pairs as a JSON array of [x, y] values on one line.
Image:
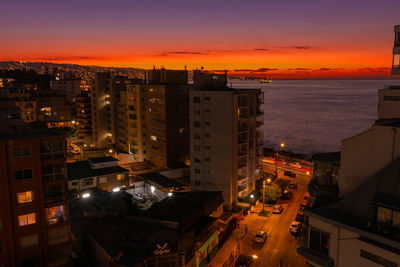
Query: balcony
[[316, 256], [55, 198]]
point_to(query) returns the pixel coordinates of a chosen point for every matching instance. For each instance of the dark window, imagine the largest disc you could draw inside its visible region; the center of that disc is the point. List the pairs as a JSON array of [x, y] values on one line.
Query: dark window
[[23, 174], [197, 171], [207, 123], [196, 124], [196, 182], [207, 98], [31, 262], [196, 99], [197, 160], [21, 151], [207, 159], [207, 111], [319, 241], [1, 247], [207, 135]]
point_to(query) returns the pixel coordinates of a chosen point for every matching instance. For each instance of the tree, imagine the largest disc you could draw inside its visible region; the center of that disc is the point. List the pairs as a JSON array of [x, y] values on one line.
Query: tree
[[272, 192]]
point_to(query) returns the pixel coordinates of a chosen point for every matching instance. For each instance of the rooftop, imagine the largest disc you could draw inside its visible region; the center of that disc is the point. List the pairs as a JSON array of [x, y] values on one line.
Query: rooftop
[[161, 180], [82, 169], [102, 159]]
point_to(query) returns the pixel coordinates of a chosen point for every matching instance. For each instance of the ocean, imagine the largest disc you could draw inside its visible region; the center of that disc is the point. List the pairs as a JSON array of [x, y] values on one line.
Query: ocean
[[313, 116]]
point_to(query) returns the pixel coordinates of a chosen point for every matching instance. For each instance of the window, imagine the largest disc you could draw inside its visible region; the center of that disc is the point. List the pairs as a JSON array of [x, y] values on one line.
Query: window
[[88, 181], [207, 123], [21, 151], [30, 262], [207, 98], [197, 160], [28, 241], [207, 135], [55, 214], [119, 177], [23, 174], [74, 183], [196, 148], [27, 219], [196, 136], [207, 111], [387, 218], [197, 171], [1, 227], [196, 124], [319, 241], [196, 182], [196, 99], [207, 147], [25, 197]]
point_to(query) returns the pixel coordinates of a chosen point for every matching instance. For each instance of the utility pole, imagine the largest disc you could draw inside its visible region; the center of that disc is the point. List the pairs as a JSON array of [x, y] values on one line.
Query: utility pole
[[263, 195]]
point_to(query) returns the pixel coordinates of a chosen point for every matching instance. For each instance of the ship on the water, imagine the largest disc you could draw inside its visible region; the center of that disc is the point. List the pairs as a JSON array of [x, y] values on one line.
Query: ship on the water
[[265, 80]]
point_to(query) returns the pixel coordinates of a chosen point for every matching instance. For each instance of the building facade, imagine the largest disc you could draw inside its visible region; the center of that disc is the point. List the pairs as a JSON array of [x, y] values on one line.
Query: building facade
[[226, 140], [34, 219]]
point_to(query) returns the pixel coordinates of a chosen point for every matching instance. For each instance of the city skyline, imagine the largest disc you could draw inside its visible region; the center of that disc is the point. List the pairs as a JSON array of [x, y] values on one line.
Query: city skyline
[[339, 39]]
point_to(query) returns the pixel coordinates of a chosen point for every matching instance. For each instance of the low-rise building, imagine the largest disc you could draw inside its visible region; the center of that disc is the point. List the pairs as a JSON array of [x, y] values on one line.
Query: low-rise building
[[102, 173]]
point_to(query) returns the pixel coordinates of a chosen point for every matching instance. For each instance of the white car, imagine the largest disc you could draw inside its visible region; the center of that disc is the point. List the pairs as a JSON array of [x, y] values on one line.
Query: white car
[[295, 227]]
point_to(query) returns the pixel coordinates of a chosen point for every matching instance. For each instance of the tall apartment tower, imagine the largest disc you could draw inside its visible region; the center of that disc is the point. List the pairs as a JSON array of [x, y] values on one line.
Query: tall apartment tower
[[157, 116], [226, 140], [34, 219], [84, 112], [130, 120], [396, 51], [103, 110]]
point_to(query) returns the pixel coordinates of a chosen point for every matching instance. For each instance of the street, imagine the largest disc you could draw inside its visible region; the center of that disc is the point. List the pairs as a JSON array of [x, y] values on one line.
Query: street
[[280, 248]]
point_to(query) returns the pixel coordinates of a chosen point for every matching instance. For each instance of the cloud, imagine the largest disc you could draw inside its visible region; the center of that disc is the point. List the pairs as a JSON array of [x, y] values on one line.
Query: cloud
[[183, 53], [261, 49], [67, 58], [299, 69], [264, 70], [302, 47], [243, 70], [329, 69]]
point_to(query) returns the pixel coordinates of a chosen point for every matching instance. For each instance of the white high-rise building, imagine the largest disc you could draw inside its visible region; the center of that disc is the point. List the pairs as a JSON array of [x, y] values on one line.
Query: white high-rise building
[[226, 139]]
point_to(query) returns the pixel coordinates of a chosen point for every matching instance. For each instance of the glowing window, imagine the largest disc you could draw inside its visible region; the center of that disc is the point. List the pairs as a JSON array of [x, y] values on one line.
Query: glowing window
[[25, 197], [55, 214], [27, 219], [154, 138], [119, 177]]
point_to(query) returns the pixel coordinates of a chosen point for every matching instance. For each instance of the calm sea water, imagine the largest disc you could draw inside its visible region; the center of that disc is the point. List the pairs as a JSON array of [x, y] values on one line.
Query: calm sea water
[[312, 116]]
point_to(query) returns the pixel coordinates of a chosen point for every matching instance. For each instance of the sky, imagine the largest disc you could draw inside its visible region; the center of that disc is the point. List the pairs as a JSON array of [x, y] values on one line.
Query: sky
[[278, 39]]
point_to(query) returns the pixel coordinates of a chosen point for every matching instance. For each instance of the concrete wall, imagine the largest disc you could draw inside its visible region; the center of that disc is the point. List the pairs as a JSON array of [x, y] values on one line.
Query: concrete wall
[[345, 247], [365, 154], [389, 103], [217, 173]]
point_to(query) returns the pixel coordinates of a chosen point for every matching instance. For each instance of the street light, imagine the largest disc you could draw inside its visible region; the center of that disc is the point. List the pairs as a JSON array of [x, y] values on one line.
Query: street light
[[86, 195], [116, 189], [282, 145], [170, 194], [251, 196]]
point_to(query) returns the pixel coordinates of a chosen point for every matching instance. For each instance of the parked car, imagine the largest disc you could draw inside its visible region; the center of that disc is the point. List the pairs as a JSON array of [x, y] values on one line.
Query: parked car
[[295, 227], [277, 209], [301, 208], [299, 218], [260, 237], [292, 185], [244, 261], [305, 203], [300, 212], [290, 174], [287, 194]]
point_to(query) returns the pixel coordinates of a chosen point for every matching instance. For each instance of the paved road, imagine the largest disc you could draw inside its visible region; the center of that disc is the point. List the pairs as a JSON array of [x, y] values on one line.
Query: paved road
[[280, 248]]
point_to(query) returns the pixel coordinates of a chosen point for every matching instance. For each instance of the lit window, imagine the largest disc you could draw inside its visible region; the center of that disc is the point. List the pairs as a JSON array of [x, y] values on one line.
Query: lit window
[[27, 219], [154, 138], [25, 197], [28, 241], [119, 177], [55, 214]]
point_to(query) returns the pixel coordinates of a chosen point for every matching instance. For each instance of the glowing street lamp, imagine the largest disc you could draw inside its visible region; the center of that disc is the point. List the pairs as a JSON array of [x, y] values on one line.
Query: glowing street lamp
[[86, 195], [251, 196], [282, 145], [170, 194], [116, 189]]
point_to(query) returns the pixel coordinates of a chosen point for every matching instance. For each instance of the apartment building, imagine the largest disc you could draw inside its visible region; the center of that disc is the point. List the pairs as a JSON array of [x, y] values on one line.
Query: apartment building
[[103, 110], [84, 112], [396, 51], [131, 117], [34, 219], [68, 87], [154, 118], [226, 140], [361, 226]]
